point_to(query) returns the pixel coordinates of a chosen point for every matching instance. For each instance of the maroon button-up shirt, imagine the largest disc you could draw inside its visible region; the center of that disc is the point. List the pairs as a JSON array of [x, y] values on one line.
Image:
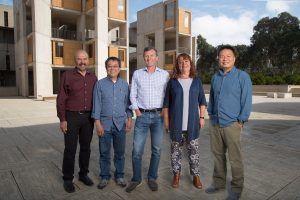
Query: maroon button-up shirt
[[75, 92]]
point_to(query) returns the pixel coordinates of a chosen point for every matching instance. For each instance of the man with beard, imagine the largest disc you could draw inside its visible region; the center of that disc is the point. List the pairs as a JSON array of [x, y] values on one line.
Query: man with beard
[[74, 105]]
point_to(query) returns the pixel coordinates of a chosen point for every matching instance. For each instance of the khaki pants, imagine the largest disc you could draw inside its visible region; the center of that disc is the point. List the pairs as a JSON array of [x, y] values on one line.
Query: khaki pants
[[221, 140]]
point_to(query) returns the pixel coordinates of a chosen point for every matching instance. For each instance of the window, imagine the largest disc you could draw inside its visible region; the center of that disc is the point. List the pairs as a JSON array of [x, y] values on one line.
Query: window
[[5, 18], [186, 19], [121, 55], [91, 50], [170, 11], [121, 5], [7, 59], [169, 58], [59, 49]]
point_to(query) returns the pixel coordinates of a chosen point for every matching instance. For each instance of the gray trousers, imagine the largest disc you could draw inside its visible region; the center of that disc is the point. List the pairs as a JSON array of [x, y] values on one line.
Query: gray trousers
[[222, 140]]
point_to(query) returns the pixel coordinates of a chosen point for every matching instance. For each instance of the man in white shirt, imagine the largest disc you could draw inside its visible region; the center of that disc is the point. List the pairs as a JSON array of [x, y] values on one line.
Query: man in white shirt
[[146, 95]]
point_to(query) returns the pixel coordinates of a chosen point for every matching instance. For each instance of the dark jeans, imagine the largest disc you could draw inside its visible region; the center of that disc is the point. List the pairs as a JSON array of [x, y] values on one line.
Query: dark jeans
[[80, 125]]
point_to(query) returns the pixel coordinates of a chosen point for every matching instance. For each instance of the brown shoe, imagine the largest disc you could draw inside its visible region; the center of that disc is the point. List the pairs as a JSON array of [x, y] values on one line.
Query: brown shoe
[[197, 182], [175, 183]]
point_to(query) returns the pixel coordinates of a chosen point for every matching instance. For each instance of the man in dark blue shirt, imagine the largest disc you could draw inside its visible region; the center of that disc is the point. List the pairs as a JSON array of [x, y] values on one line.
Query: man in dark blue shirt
[[112, 119], [229, 107]]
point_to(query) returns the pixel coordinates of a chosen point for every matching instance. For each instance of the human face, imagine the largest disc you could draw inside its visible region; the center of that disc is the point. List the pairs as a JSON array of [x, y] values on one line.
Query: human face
[[113, 69], [150, 58], [226, 59], [184, 65], [82, 61]]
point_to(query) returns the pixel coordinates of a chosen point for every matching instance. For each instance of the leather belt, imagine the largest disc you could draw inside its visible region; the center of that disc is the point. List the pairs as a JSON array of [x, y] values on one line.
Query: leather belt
[[150, 110], [81, 112]]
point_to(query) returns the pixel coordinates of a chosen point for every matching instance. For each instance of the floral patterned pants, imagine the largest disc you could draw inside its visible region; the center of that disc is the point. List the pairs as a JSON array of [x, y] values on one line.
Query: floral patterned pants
[[193, 155]]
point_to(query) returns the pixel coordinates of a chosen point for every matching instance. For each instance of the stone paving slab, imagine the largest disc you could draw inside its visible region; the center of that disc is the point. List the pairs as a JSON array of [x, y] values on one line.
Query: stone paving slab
[[31, 149]]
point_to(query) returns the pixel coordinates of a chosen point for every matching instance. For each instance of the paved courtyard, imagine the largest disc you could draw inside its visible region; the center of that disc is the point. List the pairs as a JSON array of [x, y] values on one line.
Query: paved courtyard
[[31, 148]]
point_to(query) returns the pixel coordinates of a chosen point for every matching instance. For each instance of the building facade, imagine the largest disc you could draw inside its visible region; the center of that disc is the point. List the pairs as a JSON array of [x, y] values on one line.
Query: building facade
[[165, 26], [7, 57], [48, 33]]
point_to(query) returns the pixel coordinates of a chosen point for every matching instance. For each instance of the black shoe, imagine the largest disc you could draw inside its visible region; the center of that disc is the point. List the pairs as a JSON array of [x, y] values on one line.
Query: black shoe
[[68, 186], [86, 180], [213, 189], [152, 185]]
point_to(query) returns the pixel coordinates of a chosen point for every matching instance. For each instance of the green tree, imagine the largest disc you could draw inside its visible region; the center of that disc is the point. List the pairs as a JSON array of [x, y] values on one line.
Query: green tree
[[207, 63]]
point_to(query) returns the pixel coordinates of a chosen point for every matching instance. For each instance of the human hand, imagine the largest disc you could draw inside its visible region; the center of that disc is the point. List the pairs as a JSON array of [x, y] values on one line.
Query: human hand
[[63, 126]]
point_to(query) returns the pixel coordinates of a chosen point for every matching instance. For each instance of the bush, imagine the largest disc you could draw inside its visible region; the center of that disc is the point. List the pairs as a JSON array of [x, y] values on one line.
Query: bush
[[261, 79]]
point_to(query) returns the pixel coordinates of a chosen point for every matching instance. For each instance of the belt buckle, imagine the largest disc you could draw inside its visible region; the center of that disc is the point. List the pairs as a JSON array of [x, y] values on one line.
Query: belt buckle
[[80, 112]]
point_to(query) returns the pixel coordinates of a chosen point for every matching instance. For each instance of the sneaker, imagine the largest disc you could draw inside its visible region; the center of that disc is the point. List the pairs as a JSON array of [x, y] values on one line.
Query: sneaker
[[68, 186], [234, 196], [152, 185], [103, 183], [86, 180], [121, 182], [132, 186], [213, 189]]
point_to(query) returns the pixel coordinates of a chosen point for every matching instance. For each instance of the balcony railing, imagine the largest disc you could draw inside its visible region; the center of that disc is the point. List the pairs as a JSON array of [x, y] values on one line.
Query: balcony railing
[[184, 50], [64, 34], [90, 34], [118, 41]]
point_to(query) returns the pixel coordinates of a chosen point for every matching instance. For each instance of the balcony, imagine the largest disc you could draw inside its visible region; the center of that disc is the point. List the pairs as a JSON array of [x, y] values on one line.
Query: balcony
[[90, 34], [118, 41], [67, 4], [64, 34], [184, 50]]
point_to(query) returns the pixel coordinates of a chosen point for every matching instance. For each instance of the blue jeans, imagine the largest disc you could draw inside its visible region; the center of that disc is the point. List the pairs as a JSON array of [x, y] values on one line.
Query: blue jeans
[[154, 122], [118, 139]]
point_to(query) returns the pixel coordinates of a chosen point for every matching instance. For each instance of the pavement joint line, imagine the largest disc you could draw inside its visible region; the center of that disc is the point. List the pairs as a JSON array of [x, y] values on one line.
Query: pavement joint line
[[19, 189], [282, 188]]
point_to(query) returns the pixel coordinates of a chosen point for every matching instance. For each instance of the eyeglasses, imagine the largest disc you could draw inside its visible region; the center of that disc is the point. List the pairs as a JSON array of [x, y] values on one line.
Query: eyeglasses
[[112, 66]]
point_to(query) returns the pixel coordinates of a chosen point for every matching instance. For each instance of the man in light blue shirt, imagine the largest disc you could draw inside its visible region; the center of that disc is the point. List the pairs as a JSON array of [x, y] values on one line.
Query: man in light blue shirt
[[112, 119], [229, 107], [146, 95]]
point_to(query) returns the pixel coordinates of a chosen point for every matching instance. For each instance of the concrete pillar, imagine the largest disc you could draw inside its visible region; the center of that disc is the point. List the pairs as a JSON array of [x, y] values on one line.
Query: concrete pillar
[[101, 39], [42, 70]]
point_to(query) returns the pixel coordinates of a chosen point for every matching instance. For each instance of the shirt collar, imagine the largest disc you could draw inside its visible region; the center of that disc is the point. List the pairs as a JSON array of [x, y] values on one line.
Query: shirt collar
[[108, 78], [156, 69], [221, 72]]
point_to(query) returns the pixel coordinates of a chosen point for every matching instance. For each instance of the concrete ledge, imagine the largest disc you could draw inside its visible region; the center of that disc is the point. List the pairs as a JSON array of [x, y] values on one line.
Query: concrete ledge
[[284, 95], [272, 94]]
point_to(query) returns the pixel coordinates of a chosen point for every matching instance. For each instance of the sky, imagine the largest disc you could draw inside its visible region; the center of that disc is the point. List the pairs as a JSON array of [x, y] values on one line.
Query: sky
[[222, 21], [225, 21]]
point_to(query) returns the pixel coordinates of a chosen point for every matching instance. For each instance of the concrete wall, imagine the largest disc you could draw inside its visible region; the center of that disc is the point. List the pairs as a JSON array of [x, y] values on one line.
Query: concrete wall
[[8, 9], [101, 49], [150, 21], [263, 89], [20, 47], [8, 91], [42, 60]]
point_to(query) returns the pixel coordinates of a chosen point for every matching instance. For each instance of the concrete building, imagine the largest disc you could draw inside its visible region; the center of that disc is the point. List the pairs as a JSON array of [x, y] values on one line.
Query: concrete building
[[48, 33], [7, 57], [165, 26]]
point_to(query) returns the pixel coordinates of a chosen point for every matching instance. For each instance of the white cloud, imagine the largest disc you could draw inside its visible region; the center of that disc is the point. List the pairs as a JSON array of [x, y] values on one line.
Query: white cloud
[[225, 30], [276, 7]]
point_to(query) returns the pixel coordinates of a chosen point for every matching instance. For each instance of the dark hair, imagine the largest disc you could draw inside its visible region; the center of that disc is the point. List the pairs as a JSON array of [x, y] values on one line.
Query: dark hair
[[113, 59], [176, 71], [149, 49], [226, 46]]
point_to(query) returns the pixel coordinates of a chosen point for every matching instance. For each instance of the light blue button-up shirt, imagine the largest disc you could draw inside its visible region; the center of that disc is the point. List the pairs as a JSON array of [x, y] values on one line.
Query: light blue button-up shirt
[[111, 103], [230, 97], [148, 89]]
